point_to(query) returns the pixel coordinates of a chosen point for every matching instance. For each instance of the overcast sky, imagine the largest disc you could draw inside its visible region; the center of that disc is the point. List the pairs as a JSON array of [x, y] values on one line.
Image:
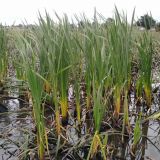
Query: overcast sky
[[18, 10]]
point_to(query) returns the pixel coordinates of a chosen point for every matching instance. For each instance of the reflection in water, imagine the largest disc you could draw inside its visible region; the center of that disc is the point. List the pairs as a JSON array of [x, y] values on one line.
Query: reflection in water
[[13, 127], [120, 148], [144, 139], [152, 148]]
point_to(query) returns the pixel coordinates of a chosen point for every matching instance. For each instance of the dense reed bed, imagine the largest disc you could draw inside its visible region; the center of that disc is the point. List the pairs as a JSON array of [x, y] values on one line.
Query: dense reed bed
[[94, 61], [3, 55]]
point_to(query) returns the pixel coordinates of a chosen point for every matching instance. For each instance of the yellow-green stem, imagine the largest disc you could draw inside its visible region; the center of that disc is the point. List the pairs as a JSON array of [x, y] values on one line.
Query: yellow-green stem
[[78, 109], [147, 91], [58, 126], [64, 108]]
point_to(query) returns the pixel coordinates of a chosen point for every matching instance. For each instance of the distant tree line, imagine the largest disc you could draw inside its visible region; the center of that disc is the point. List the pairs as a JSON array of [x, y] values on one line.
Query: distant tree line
[[145, 21], [148, 22]]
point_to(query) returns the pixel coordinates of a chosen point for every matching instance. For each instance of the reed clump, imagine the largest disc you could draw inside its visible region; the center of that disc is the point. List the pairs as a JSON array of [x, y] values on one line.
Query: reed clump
[[55, 56], [3, 54]]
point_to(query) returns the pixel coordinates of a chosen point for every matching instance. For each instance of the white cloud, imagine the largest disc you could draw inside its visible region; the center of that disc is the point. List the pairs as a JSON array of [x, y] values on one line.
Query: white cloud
[[18, 10]]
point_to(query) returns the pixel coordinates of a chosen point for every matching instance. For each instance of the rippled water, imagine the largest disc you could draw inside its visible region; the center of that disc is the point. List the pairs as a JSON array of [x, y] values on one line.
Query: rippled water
[[16, 126]]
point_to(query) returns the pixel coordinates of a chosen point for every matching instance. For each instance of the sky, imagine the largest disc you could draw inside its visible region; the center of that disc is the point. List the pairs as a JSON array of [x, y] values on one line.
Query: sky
[[19, 11]]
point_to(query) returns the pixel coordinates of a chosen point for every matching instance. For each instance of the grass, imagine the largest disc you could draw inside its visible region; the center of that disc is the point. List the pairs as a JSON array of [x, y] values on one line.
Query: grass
[[3, 54], [145, 49], [136, 135], [119, 42], [55, 56], [36, 88], [98, 108]]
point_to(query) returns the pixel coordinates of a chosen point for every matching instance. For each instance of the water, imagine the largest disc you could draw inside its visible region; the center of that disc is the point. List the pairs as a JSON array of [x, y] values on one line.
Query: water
[[16, 132], [15, 127], [153, 135]]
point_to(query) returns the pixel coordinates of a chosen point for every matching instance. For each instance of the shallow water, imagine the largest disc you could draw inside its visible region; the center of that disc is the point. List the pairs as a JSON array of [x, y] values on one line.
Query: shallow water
[[154, 135], [16, 127]]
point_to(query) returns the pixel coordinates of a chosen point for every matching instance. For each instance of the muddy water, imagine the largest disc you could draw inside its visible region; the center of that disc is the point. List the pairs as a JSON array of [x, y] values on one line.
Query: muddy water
[[15, 129], [149, 146], [16, 126], [151, 130], [152, 144]]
